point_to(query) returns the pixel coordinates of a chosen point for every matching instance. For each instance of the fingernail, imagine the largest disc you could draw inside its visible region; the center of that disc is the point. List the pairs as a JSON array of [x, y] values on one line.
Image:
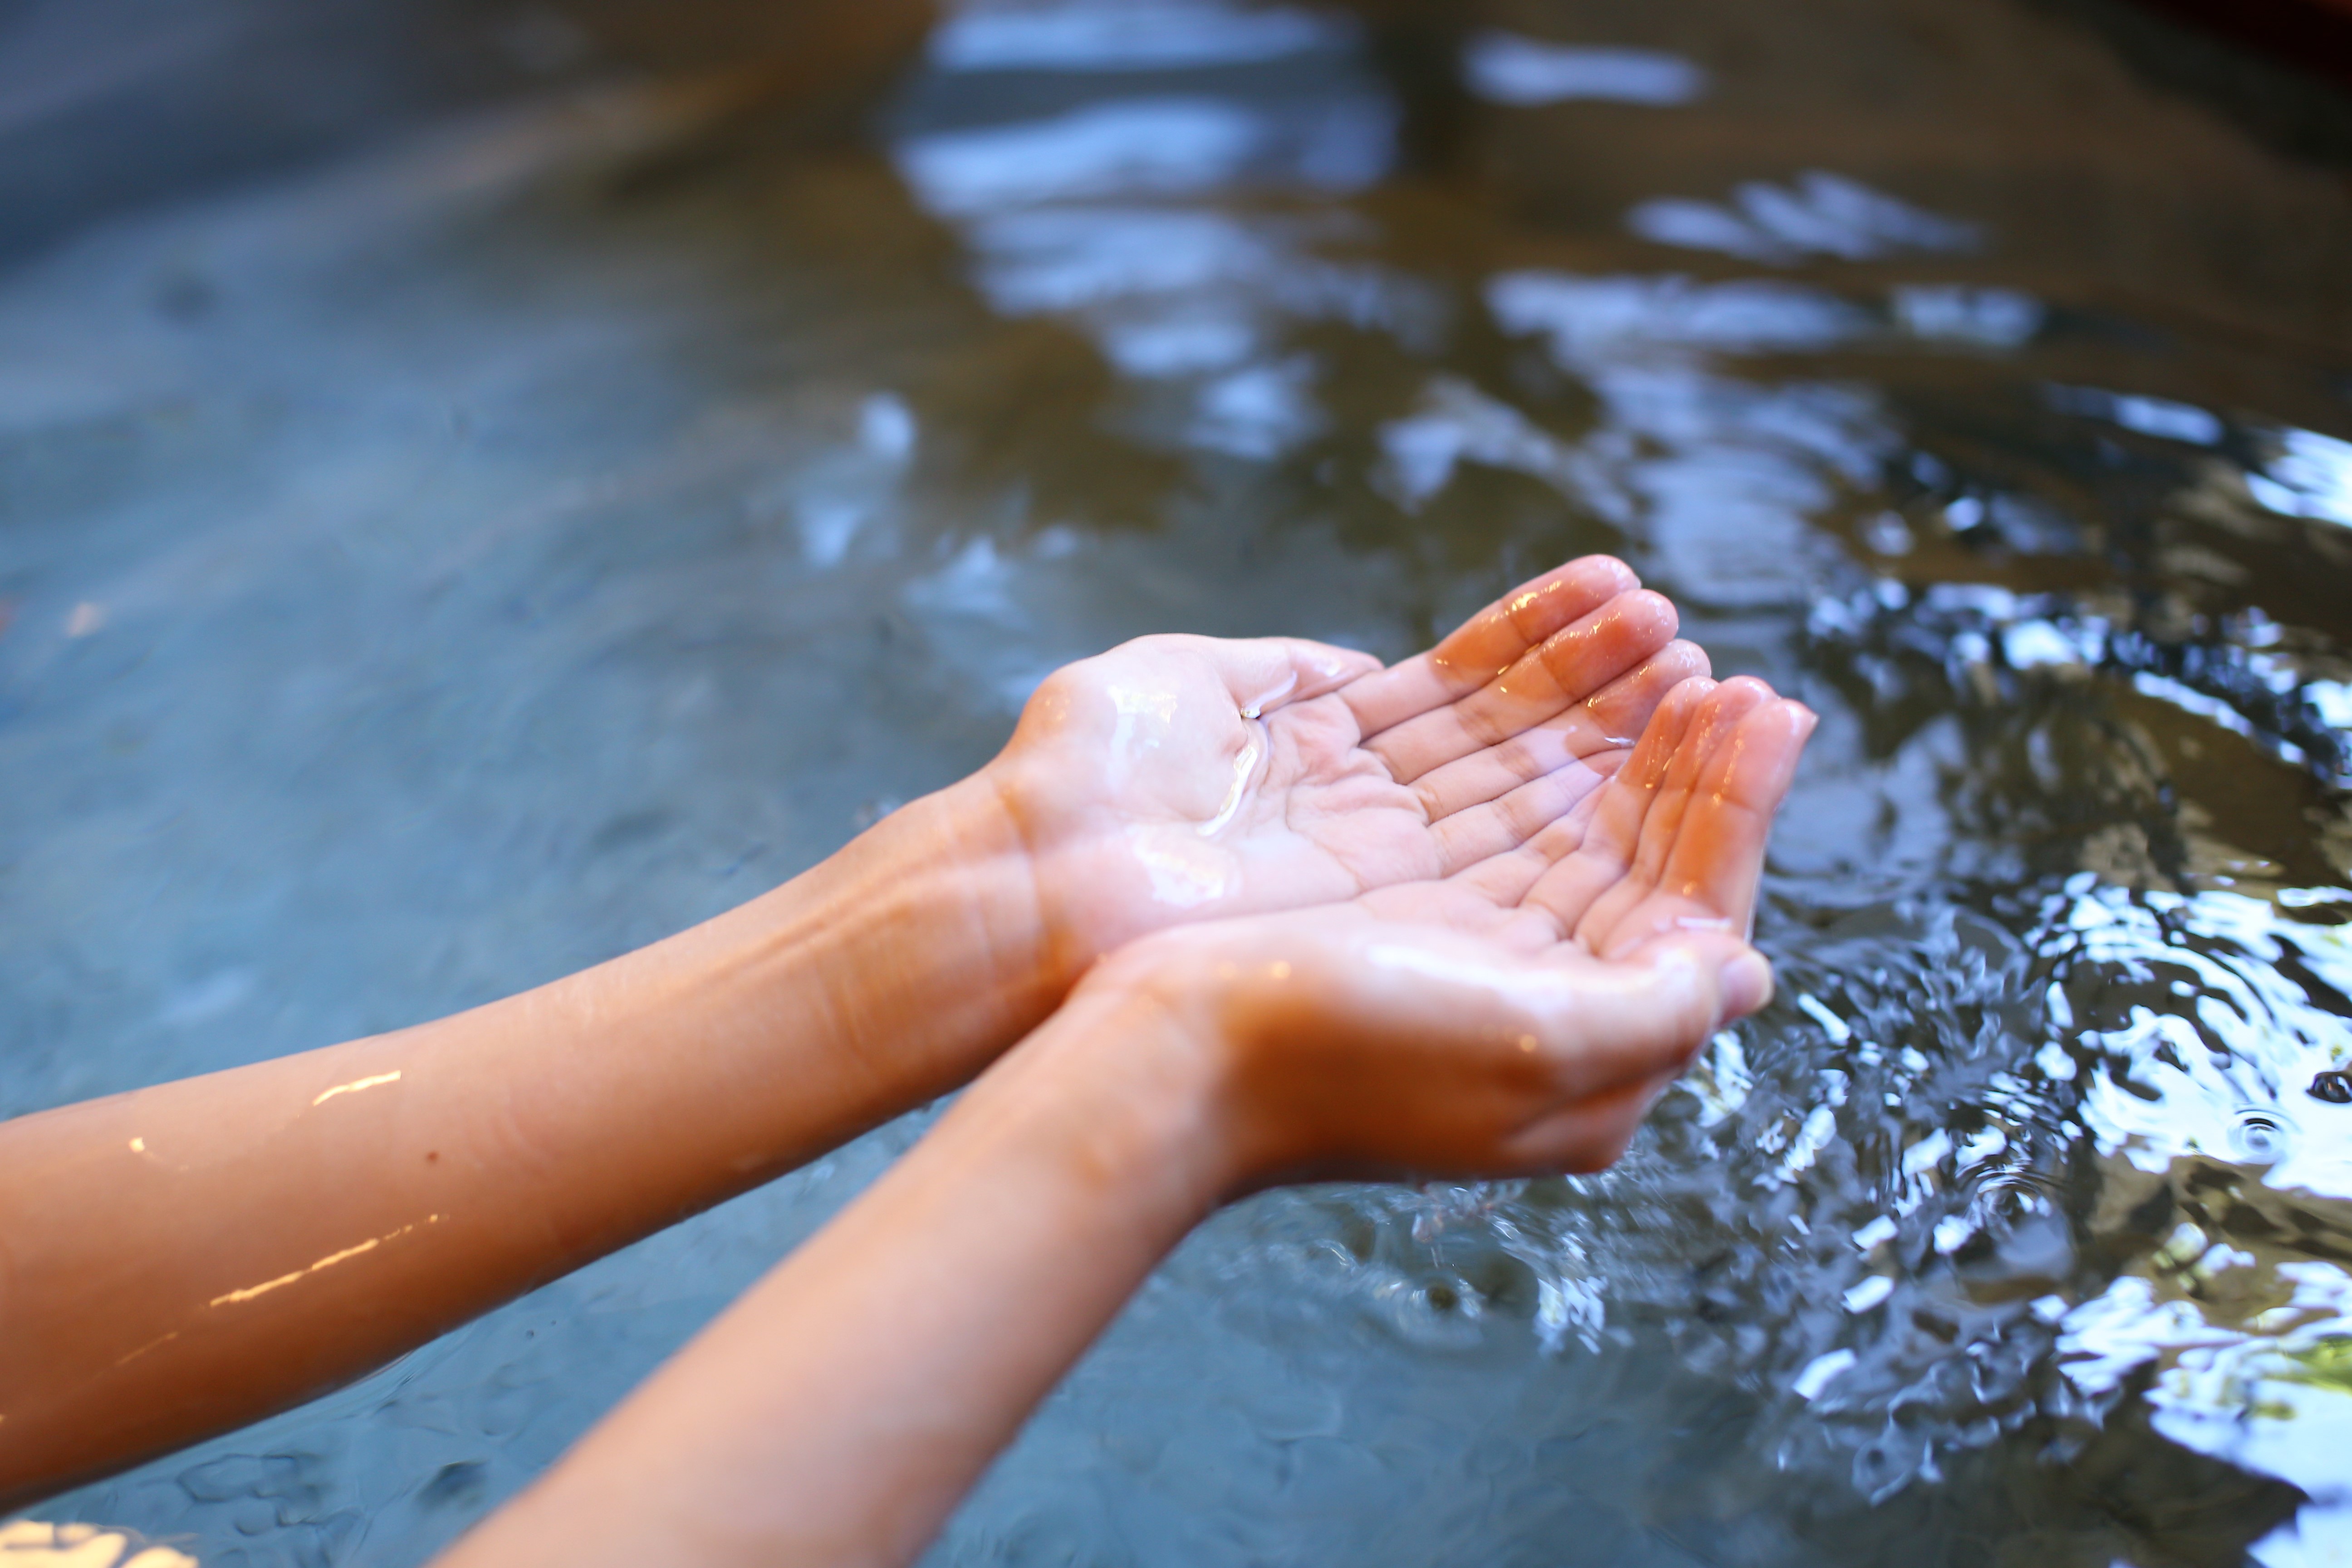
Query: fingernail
[[1745, 985]]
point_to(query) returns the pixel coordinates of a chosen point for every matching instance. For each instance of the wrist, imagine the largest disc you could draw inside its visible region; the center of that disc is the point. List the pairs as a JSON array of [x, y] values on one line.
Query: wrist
[[923, 938], [1128, 1081], [836, 1411], [1182, 1021]]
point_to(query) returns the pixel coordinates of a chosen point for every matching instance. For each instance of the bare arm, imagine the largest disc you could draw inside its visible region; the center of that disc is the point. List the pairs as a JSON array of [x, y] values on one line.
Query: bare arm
[[836, 1414], [185, 1258]]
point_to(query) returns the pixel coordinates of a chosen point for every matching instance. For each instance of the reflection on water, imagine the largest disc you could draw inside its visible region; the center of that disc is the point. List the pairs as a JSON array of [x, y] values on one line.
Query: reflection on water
[[2311, 475], [29, 1543], [1820, 215], [1147, 36], [1522, 72], [434, 568]]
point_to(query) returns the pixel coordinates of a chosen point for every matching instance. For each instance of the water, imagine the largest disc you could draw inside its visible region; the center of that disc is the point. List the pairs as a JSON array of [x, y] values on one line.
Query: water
[[531, 479]]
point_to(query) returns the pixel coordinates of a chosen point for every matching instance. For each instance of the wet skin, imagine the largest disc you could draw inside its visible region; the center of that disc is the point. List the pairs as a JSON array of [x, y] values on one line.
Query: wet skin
[[1519, 1023], [1185, 778], [236, 1243]]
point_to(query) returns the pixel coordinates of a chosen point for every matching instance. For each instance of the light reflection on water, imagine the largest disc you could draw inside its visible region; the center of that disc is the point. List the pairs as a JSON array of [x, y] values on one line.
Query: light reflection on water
[[2311, 475], [1821, 214], [1522, 72], [448, 565], [1147, 36]]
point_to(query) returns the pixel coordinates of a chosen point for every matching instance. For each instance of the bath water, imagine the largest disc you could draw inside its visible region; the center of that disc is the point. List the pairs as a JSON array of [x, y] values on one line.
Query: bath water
[[482, 488]]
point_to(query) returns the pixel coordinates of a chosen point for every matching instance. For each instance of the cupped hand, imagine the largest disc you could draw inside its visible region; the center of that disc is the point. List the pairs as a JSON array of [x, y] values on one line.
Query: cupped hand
[[1671, 844], [1178, 779], [1518, 1016]]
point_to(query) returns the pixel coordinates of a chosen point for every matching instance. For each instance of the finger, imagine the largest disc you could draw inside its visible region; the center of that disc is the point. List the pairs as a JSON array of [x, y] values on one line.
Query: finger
[[1711, 729], [1488, 643], [1501, 827], [1502, 848], [1718, 857], [1580, 1138], [1638, 877], [1630, 1021], [1606, 843], [1507, 878], [1718, 718], [1744, 977], [1267, 673], [1607, 720], [1512, 870], [1502, 860], [1624, 707], [1568, 666]]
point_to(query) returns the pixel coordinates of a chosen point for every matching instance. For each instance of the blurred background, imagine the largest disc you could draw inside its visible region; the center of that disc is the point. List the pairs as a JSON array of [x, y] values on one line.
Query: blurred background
[[483, 486]]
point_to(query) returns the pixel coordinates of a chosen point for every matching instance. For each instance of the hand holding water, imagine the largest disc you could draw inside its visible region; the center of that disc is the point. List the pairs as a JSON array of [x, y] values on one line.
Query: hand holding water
[[1521, 1015], [1518, 1017], [413, 1179], [1177, 779]]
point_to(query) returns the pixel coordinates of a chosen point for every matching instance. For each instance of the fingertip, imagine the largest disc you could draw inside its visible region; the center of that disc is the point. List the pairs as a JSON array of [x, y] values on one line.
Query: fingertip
[[1624, 707], [1745, 983], [1794, 723], [1686, 698], [1649, 605], [1775, 733], [1607, 567], [1693, 979], [1679, 709], [1567, 590], [1673, 667], [1306, 669], [1726, 708], [1746, 691], [1335, 665], [1710, 988]]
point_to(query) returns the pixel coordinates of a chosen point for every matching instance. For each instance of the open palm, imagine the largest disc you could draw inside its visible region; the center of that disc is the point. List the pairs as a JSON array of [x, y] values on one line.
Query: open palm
[[1671, 846], [1178, 779], [1521, 1015]]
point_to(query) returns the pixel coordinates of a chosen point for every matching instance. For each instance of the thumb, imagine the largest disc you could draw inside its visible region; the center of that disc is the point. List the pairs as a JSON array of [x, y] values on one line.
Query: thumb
[[1743, 976], [1650, 1013], [1267, 673]]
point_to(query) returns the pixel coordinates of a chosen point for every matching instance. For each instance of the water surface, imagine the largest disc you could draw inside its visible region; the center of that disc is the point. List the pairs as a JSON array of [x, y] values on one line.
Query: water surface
[[462, 531]]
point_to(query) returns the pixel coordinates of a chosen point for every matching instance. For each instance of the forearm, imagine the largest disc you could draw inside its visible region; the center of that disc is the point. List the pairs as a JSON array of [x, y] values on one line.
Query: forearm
[[836, 1415], [182, 1259]]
